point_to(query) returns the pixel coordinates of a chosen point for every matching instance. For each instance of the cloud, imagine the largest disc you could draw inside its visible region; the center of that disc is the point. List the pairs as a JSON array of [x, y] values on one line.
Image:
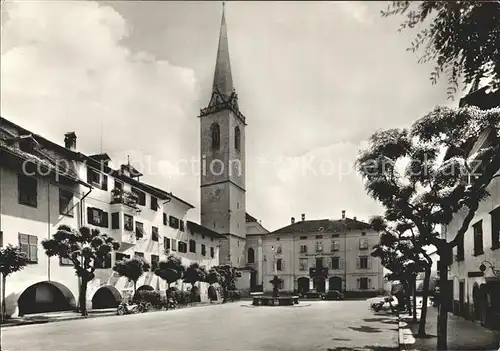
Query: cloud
[[64, 68], [314, 80], [320, 183]]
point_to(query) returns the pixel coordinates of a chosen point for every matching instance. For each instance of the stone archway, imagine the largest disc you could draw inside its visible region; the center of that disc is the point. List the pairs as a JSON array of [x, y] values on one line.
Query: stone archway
[[44, 297], [335, 283], [106, 296], [303, 285], [145, 287]]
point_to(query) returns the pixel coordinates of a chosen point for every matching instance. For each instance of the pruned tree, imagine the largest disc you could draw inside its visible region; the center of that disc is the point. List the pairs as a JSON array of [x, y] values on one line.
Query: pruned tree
[[400, 251], [84, 248], [12, 260], [228, 277], [132, 269], [170, 270], [195, 273], [426, 174], [462, 38], [213, 277]]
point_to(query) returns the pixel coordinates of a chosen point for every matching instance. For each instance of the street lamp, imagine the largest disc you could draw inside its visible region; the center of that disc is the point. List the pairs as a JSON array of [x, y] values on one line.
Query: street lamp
[[488, 264]]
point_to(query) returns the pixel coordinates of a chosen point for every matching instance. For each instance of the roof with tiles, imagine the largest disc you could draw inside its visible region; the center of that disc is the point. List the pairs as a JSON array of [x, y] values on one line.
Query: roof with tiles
[[323, 225], [41, 159], [49, 158]]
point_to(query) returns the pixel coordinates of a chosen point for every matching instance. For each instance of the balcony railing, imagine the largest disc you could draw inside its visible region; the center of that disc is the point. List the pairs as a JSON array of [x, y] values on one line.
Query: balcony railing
[[317, 272], [120, 196]]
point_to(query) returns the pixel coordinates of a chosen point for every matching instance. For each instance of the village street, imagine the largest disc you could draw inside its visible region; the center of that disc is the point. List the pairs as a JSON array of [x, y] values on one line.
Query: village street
[[315, 325]]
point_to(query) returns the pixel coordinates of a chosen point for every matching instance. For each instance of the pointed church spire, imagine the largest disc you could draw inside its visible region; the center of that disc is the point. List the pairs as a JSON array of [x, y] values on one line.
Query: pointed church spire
[[223, 79]]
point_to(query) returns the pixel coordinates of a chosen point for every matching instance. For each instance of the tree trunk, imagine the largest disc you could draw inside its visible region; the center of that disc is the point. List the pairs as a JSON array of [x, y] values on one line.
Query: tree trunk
[[407, 284], [83, 298], [135, 286], [4, 278], [425, 293], [414, 291], [442, 322]]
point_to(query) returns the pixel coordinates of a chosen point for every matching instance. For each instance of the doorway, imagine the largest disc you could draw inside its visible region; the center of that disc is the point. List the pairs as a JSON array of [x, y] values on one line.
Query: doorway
[[319, 284], [335, 283]]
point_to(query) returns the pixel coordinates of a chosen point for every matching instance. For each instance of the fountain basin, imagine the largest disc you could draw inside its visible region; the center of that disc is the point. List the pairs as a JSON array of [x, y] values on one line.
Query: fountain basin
[[275, 301]]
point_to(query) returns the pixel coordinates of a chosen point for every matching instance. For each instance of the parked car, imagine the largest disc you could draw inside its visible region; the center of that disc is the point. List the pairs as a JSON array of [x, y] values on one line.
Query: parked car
[[332, 295]]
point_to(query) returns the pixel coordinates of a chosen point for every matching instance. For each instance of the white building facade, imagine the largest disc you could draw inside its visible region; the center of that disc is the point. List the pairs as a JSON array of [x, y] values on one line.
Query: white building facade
[[44, 185], [317, 256]]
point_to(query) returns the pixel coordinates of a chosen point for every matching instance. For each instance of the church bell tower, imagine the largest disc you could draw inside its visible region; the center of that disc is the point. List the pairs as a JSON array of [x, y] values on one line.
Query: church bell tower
[[223, 160]]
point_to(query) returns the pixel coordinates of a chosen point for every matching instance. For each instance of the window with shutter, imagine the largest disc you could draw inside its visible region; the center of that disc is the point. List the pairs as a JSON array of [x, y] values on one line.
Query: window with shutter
[[139, 230], [118, 185], [141, 196], [363, 262], [279, 264], [66, 202], [192, 246], [174, 245], [27, 188], [154, 203], [173, 222], [93, 177], [154, 234], [212, 252], [166, 244], [29, 245], [203, 250], [115, 220], [181, 226], [104, 182], [334, 263], [128, 223], [105, 219], [358, 263], [165, 219], [495, 228], [154, 262]]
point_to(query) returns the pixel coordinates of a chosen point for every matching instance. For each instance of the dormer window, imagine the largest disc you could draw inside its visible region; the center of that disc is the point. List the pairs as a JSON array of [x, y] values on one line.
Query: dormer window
[[27, 145], [154, 203], [93, 177]]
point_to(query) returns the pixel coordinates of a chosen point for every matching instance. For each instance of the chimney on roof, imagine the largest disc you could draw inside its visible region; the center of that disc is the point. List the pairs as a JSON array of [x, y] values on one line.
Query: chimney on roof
[[303, 216], [293, 220], [354, 217], [70, 141], [343, 214]]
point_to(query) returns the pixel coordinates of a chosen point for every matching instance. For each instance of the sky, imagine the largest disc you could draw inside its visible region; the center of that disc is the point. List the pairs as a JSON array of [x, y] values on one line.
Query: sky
[[314, 80]]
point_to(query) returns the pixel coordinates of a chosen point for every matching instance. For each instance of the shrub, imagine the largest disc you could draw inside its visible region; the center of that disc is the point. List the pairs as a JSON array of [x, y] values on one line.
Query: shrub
[[184, 297], [148, 296]]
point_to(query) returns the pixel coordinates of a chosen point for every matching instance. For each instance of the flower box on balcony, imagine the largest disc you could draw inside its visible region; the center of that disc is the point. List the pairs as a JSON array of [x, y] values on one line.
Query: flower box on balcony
[[120, 196]]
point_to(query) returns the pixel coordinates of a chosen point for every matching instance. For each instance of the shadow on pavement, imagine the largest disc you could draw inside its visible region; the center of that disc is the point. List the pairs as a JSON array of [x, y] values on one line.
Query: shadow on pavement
[[366, 329], [341, 339], [382, 320], [365, 348]]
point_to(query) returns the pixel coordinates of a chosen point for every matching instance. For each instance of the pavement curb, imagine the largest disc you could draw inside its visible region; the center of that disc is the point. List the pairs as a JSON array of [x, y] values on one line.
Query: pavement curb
[[97, 315]]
